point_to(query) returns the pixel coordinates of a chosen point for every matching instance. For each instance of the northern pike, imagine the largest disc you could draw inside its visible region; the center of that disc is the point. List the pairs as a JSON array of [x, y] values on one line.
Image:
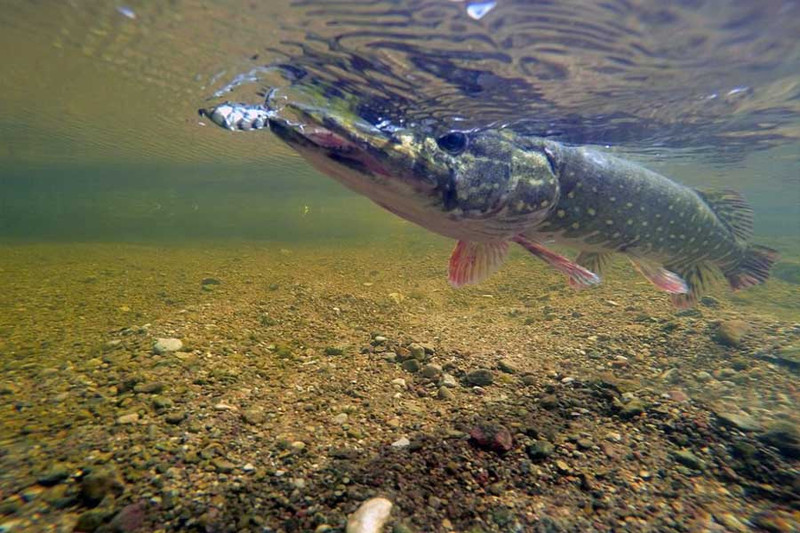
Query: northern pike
[[489, 187]]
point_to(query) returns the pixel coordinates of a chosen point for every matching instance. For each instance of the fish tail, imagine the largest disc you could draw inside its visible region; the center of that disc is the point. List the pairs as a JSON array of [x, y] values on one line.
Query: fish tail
[[754, 267]]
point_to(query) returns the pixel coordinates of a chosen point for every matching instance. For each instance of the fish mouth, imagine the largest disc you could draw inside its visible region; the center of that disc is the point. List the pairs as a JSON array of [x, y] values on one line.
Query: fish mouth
[[344, 139]]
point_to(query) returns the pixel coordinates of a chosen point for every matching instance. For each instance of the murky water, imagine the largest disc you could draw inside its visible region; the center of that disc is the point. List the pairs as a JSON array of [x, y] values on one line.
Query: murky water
[[117, 200]]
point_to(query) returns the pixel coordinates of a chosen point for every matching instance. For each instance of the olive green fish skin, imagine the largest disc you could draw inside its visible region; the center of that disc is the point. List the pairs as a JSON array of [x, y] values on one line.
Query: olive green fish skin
[[491, 186], [610, 204]]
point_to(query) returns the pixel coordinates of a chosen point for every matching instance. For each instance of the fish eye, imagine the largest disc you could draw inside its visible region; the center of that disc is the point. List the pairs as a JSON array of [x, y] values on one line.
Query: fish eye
[[453, 143]]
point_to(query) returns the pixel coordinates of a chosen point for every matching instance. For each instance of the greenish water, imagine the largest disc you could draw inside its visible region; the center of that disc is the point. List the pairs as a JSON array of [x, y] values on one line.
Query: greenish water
[[126, 218]]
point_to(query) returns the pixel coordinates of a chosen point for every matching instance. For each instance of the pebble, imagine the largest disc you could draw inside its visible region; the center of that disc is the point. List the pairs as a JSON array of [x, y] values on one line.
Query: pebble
[[445, 393], [631, 409], [491, 436], [505, 366], [153, 387], [731, 332], [431, 372], [703, 376], [739, 421], [131, 418], [411, 365], [223, 466], [549, 401], [785, 436], [370, 516], [417, 351], [249, 468], [449, 380], [480, 377], [175, 418], [539, 450], [402, 442], [341, 418], [98, 484], [55, 473], [163, 346], [687, 458], [399, 383]]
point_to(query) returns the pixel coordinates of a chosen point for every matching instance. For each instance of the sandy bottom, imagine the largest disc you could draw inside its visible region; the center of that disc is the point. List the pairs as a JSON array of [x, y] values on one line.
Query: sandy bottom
[[309, 380]]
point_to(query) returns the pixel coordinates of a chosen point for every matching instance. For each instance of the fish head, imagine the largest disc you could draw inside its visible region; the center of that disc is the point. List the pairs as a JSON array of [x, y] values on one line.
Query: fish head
[[482, 184]]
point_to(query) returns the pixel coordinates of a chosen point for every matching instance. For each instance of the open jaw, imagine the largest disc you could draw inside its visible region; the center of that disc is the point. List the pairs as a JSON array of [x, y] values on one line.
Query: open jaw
[[325, 137]]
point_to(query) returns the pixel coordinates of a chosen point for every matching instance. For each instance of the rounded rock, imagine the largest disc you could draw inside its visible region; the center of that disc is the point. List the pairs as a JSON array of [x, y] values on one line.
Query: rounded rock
[[370, 517]]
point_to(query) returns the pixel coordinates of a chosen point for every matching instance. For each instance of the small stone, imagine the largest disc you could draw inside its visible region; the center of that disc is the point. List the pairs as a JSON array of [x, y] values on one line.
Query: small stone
[[153, 387], [505, 366], [480, 378], [632, 409], [417, 351], [529, 379], [399, 383], [210, 281], [402, 442], [378, 340], [687, 458], [549, 401], [92, 519], [129, 519], [370, 516], [703, 376], [563, 467], [613, 436], [223, 466], [161, 403], [742, 421], [411, 365], [333, 350], [175, 418], [448, 380], [445, 393], [539, 450], [253, 416], [431, 372], [341, 418], [491, 436], [678, 395], [731, 332], [163, 346], [131, 418], [585, 444], [785, 436], [98, 484], [297, 446], [710, 302], [249, 468], [53, 475]]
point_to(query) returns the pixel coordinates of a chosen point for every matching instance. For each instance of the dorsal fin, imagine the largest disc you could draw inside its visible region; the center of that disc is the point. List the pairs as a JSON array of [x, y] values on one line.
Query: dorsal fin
[[732, 209]]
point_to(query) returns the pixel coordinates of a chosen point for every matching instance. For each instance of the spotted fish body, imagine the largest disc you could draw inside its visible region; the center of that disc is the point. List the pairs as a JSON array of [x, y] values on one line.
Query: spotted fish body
[[607, 205], [488, 188]]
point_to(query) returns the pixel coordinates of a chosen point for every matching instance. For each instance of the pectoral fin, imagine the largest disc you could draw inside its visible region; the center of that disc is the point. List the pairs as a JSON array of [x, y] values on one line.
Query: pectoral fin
[[659, 276], [473, 262], [579, 277]]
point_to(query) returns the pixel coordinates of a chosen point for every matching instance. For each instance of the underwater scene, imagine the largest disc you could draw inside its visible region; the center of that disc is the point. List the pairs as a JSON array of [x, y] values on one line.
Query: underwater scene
[[401, 266]]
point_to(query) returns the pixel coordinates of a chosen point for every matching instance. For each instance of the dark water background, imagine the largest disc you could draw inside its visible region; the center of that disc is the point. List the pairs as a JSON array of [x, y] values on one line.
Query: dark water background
[[101, 140]]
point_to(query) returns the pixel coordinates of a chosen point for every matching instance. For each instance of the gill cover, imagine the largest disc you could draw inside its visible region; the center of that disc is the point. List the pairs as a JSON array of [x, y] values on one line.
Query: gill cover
[[495, 175]]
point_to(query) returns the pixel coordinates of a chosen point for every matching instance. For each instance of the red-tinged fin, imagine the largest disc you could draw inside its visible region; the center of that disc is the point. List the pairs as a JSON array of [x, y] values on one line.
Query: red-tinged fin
[[473, 262], [698, 278], [754, 267], [732, 209], [579, 277], [597, 262], [659, 276]]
